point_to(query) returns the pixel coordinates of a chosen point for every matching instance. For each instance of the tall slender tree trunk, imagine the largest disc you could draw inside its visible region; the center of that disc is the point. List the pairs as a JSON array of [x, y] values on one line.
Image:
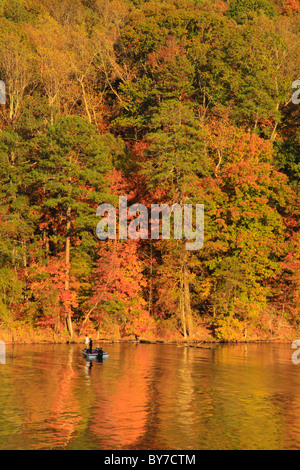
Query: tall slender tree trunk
[[186, 293], [85, 99], [181, 306], [185, 300], [151, 279], [67, 280]]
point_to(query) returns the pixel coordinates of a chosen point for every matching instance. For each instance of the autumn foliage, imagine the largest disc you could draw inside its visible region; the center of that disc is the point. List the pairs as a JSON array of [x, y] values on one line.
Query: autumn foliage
[[163, 102]]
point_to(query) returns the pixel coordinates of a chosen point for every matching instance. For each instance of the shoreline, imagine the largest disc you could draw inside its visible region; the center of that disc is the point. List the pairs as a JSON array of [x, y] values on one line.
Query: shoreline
[[208, 344], [203, 338]]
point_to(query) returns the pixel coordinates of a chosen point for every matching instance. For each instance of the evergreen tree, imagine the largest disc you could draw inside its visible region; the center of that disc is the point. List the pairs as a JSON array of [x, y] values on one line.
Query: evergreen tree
[[71, 167]]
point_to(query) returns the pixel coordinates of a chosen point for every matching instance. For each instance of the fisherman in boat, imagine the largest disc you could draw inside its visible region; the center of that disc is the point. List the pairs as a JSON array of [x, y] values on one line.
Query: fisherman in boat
[[87, 340], [91, 346]]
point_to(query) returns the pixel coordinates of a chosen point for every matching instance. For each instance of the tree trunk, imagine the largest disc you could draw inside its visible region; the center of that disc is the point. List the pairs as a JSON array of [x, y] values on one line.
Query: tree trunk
[[67, 281], [185, 300], [186, 294], [151, 279], [25, 264], [85, 99], [181, 306]]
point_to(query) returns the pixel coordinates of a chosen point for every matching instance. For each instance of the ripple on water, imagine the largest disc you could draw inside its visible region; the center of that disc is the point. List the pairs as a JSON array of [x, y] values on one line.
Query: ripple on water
[[150, 397]]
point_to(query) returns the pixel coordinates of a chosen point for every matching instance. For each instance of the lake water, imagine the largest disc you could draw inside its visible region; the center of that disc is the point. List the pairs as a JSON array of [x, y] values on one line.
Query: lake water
[[147, 397]]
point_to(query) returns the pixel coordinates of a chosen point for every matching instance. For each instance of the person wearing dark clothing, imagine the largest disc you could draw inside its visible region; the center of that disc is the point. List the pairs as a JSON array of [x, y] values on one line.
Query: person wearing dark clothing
[[91, 346]]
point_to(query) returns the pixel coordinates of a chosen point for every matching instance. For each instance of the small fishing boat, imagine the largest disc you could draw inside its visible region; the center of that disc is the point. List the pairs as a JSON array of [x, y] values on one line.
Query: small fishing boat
[[95, 354]]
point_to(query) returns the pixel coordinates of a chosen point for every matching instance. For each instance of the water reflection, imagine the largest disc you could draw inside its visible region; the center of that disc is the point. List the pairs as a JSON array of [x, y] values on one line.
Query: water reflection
[[150, 397]]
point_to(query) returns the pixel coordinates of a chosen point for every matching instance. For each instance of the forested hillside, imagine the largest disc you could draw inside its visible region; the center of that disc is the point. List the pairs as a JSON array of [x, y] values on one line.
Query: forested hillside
[[162, 101]]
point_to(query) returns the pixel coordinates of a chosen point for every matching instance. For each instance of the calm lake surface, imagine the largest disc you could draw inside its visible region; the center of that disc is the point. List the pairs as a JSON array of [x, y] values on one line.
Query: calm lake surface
[[150, 397]]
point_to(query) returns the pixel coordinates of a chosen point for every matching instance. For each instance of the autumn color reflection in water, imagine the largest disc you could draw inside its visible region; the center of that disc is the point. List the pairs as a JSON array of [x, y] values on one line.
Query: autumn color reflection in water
[[150, 397]]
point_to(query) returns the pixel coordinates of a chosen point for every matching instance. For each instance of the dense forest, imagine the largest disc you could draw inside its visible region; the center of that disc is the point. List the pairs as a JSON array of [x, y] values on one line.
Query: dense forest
[[162, 101]]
